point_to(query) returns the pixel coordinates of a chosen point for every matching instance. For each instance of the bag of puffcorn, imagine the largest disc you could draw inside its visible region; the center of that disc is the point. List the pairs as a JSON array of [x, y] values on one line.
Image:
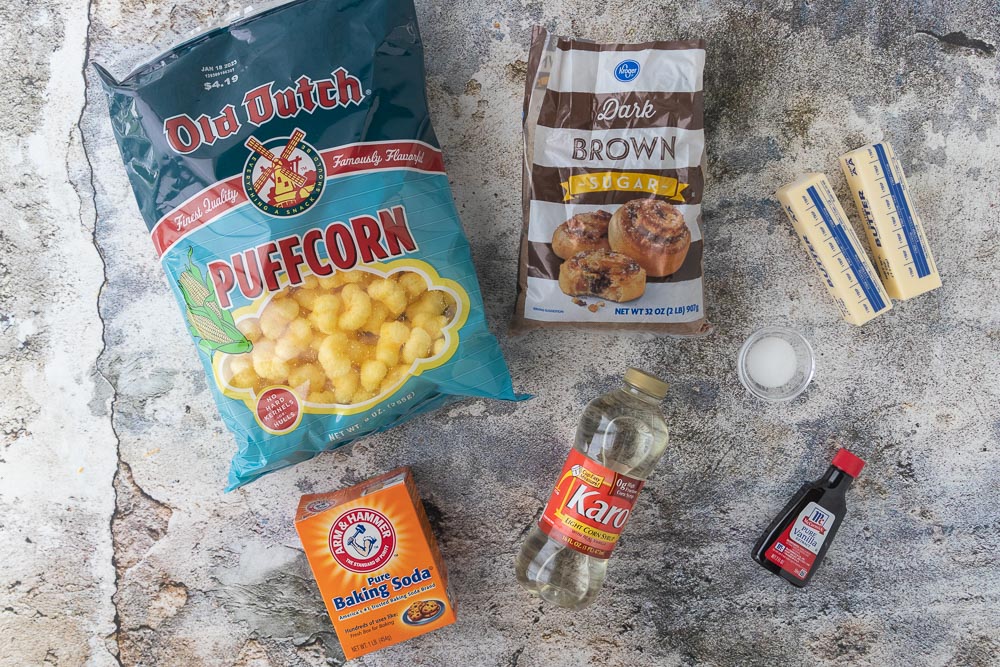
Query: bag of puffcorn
[[295, 193]]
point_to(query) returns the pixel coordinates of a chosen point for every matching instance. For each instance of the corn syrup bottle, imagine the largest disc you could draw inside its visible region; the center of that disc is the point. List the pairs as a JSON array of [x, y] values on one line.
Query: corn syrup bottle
[[620, 438], [795, 543]]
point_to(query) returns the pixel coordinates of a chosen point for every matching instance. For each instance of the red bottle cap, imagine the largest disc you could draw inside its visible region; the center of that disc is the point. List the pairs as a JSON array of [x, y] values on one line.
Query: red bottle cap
[[848, 462]]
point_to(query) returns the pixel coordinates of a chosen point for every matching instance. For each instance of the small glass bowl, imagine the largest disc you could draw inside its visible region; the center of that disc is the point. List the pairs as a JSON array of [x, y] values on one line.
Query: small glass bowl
[[805, 365]]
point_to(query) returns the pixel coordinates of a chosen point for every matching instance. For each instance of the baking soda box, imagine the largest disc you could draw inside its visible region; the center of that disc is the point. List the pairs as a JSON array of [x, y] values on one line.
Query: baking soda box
[[374, 557]]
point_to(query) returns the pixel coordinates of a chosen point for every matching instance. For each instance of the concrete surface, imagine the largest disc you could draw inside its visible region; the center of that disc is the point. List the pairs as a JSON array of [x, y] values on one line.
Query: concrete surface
[[118, 546]]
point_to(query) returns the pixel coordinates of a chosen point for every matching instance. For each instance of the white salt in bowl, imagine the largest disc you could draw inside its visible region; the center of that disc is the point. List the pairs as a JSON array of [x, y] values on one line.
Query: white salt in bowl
[[776, 364]]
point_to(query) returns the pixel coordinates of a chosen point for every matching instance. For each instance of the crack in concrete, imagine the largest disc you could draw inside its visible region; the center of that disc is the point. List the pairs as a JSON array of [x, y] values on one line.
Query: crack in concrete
[[140, 520], [112, 640], [960, 39]]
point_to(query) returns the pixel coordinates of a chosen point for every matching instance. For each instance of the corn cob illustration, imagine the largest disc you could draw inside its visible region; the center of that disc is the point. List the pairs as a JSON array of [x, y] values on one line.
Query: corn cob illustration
[[207, 329], [199, 293], [214, 327]]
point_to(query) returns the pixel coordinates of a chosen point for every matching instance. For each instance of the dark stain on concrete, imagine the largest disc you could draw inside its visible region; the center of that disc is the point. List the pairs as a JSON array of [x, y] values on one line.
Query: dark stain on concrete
[[516, 71], [434, 515], [751, 155], [851, 640], [744, 50], [959, 40], [799, 119], [857, 432]]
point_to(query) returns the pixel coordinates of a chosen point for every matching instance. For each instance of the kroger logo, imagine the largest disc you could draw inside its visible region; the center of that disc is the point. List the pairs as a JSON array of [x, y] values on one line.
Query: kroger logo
[[627, 70]]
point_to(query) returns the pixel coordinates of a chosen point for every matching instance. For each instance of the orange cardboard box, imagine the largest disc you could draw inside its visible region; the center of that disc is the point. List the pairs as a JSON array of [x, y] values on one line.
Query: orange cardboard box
[[374, 557]]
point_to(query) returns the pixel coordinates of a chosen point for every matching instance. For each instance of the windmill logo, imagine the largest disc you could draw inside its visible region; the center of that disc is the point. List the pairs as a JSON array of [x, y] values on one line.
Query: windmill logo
[[286, 183]]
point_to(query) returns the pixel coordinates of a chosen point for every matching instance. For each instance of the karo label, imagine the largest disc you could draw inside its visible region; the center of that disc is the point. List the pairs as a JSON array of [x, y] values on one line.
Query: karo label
[[589, 506], [283, 177], [362, 540]]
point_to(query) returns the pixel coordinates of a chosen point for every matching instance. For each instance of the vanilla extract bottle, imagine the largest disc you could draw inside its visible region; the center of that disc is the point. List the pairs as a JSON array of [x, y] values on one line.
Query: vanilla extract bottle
[[794, 545], [619, 440]]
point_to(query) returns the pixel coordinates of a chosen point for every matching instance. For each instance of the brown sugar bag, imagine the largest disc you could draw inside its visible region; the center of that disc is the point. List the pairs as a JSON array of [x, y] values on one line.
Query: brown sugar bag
[[614, 151]]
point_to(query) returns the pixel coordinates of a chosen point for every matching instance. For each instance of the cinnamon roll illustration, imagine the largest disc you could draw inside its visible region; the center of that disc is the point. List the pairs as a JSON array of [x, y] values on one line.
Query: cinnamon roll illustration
[[584, 232], [652, 232], [608, 275]]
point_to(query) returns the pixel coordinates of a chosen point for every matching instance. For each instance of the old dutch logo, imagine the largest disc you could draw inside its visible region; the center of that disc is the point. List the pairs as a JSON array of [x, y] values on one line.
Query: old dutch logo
[[362, 540], [285, 184]]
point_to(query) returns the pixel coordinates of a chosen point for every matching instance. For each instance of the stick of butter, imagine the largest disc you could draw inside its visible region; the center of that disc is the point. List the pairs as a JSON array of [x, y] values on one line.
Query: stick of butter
[[895, 235], [827, 236]]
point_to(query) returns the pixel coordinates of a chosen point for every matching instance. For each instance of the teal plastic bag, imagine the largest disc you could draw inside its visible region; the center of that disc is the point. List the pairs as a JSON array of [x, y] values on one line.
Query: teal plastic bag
[[296, 195]]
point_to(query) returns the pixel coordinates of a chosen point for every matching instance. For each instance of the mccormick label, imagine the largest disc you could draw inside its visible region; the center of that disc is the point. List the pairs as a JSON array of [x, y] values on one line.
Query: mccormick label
[[589, 506], [796, 550]]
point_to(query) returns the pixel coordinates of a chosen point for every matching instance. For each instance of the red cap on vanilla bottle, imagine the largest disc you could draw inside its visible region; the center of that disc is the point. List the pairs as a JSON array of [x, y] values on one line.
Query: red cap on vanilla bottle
[[848, 462]]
